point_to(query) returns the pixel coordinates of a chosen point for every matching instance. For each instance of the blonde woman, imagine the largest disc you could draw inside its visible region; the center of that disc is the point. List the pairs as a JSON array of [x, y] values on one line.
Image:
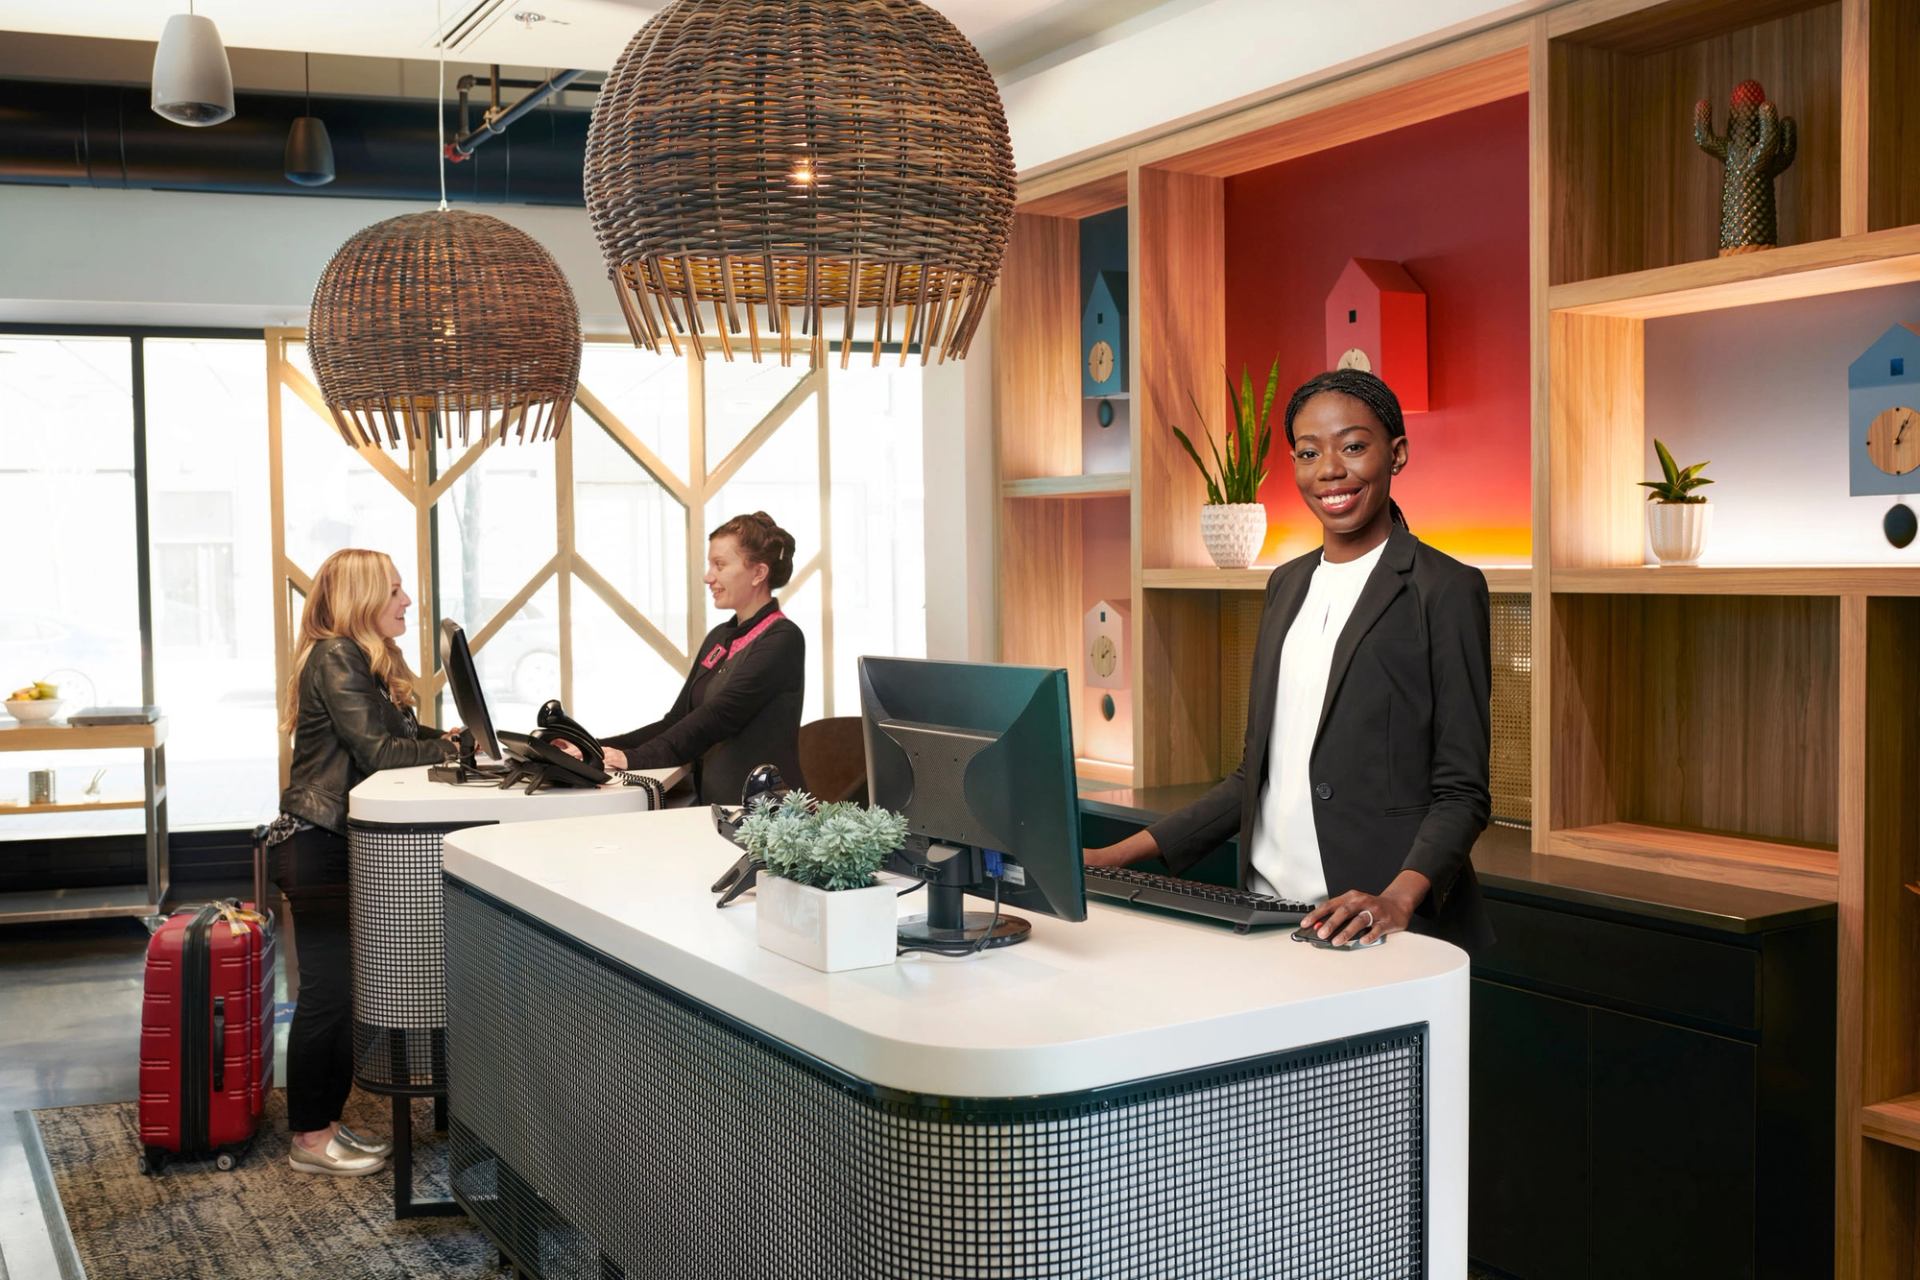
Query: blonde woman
[[349, 705]]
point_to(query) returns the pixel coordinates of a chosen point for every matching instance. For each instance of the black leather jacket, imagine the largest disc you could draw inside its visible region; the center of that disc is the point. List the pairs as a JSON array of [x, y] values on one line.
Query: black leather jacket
[[348, 728]]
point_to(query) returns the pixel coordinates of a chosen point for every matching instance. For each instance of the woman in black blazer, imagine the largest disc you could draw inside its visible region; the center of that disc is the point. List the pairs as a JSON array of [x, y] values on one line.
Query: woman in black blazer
[[740, 707], [1363, 783]]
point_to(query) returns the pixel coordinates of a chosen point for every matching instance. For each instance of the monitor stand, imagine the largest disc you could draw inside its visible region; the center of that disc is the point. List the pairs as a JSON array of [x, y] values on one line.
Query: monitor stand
[[467, 767], [950, 872]]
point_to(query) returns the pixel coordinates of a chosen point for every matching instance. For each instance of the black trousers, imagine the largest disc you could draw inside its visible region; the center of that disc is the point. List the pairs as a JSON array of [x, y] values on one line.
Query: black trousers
[[311, 869]]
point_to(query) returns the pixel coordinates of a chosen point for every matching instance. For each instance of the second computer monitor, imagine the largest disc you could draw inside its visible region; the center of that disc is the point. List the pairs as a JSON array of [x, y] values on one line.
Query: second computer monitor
[[464, 683], [978, 757]]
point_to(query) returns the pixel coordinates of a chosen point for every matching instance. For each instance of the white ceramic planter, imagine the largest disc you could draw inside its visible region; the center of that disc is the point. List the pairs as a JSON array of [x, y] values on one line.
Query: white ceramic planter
[[1233, 532], [1677, 531], [849, 929]]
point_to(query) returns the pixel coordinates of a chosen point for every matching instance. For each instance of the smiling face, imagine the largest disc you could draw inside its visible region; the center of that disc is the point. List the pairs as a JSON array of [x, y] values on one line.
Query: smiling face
[[734, 581], [392, 619], [1343, 463]]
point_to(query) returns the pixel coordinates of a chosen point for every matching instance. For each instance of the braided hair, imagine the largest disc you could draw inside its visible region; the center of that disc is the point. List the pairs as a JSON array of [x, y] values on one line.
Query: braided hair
[[1369, 390], [762, 542]]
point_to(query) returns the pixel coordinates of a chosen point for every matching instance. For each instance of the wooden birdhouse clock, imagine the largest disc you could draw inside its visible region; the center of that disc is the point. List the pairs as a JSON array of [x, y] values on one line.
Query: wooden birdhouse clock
[[1883, 424], [1377, 321], [1103, 336], [1103, 636]]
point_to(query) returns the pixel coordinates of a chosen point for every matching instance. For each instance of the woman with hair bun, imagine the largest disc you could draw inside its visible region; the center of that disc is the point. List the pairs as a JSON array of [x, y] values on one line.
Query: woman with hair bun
[[740, 706]]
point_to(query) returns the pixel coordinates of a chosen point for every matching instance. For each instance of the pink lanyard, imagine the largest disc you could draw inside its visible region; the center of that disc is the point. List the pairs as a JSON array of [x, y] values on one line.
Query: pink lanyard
[[723, 653]]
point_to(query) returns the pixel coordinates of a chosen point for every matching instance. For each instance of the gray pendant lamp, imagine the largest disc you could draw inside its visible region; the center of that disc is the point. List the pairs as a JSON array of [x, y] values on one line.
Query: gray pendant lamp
[[309, 159], [192, 83]]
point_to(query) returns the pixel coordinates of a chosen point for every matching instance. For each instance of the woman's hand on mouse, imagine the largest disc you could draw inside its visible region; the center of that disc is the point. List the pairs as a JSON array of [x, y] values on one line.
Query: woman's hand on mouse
[[1365, 917]]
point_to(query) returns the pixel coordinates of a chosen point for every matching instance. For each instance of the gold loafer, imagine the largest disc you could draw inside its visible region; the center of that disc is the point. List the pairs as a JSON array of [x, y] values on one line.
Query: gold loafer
[[336, 1158], [364, 1145]]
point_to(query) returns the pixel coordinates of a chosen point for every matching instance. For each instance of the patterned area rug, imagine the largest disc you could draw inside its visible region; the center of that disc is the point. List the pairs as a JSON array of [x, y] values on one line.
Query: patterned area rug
[[262, 1221]]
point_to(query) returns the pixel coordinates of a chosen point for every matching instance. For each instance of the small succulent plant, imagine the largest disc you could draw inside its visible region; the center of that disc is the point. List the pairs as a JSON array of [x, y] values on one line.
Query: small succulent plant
[[828, 846], [1680, 482]]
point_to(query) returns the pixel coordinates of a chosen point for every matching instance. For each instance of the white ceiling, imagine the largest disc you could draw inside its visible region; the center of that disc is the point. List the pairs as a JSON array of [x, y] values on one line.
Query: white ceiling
[[574, 33]]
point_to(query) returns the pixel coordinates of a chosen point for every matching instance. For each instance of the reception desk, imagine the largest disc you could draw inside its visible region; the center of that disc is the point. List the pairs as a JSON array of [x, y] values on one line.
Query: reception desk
[[638, 1089], [396, 820]]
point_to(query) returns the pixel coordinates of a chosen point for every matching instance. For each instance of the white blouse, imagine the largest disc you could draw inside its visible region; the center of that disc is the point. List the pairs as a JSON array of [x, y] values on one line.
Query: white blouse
[[1286, 845]]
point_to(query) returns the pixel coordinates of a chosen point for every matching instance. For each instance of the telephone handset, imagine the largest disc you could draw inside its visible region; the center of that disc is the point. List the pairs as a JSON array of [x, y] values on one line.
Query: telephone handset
[[538, 760]]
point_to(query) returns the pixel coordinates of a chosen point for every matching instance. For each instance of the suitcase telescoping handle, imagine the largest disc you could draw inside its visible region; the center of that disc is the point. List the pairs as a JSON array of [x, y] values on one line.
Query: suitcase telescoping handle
[[260, 869], [219, 1043]]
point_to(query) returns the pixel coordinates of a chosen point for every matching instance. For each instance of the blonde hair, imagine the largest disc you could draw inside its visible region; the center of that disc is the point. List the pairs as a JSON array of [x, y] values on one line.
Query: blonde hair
[[349, 594]]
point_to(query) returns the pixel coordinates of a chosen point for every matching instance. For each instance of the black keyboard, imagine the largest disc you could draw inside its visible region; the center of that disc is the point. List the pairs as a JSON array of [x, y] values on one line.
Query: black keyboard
[[1236, 907]]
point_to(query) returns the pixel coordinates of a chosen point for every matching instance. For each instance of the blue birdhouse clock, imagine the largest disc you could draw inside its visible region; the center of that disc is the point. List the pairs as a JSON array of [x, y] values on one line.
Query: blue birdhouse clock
[[1883, 424], [1103, 336]]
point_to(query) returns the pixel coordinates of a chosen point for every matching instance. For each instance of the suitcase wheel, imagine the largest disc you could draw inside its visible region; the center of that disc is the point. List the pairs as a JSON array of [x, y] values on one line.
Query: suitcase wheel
[[225, 1162], [153, 1162]]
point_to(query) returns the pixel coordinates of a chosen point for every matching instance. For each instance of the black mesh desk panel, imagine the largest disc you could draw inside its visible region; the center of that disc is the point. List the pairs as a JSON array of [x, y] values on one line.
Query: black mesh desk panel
[[604, 1125]]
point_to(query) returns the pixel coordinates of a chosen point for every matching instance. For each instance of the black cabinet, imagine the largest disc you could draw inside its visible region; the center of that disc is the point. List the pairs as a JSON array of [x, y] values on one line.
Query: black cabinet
[[1650, 1099]]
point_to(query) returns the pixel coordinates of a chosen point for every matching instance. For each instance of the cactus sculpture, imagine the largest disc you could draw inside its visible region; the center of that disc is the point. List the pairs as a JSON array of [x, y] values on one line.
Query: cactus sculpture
[[1757, 148]]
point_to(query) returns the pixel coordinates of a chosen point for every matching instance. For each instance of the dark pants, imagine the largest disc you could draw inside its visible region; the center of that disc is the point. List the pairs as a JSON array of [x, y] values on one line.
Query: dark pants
[[311, 869]]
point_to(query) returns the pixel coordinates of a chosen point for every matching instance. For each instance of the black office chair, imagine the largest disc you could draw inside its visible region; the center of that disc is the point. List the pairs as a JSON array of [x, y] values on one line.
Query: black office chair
[[833, 757]]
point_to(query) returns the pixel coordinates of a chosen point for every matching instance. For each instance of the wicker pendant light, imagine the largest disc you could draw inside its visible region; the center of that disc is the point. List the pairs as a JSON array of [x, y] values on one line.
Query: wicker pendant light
[[753, 164], [450, 313]]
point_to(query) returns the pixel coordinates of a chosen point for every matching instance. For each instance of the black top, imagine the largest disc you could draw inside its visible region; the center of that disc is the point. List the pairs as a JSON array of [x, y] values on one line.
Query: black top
[[1400, 762], [741, 712], [347, 728]]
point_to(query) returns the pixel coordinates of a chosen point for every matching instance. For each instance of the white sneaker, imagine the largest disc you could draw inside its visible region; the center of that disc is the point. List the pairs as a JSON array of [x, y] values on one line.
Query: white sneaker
[[335, 1158]]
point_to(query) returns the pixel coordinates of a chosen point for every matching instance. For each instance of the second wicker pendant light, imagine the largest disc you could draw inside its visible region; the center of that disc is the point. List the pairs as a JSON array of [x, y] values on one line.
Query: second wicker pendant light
[[753, 165]]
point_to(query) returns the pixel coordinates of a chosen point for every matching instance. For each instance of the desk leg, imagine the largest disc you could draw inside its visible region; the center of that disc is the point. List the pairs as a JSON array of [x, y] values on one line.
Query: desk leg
[[404, 1204]]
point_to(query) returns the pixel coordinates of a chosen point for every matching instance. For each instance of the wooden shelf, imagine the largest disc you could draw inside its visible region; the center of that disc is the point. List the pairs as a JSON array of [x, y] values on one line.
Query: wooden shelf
[[80, 807], [1896, 1121], [1116, 484], [1500, 579], [1839, 265], [61, 736], [1801, 870], [1741, 580]]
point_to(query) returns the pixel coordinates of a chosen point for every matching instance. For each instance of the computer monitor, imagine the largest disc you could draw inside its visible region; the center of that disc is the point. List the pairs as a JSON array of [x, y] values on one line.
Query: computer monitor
[[979, 760], [464, 683]]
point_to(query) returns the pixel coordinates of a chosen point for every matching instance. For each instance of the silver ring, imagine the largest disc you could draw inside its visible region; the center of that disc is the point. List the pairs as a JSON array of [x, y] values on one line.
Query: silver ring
[[1368, 913]]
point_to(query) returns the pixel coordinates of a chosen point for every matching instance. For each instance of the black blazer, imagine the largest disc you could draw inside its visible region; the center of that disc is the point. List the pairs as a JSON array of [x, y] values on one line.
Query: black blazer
[[1399, 766], [731, 718]]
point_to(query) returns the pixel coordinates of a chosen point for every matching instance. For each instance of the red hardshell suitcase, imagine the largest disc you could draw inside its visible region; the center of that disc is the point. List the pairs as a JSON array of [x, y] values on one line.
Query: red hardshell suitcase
[[206, 1034]]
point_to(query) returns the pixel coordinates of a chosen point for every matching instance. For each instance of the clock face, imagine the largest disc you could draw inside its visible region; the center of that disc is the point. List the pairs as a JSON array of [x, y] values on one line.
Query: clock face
[[1100, 361], [1103, 656], [1893, 440], [1355, 358]]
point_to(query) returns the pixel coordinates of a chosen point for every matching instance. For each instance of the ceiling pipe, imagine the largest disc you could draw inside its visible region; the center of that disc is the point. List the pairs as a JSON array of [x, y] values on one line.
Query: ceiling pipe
[[102, 135], [497, 119]]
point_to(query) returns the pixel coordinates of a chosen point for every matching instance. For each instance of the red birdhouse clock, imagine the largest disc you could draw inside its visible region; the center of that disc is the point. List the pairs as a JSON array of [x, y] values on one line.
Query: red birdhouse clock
[[1377, 321]]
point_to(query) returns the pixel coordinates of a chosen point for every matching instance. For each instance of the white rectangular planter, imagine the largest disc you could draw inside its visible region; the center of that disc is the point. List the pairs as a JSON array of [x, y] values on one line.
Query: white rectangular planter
[[850, 929]]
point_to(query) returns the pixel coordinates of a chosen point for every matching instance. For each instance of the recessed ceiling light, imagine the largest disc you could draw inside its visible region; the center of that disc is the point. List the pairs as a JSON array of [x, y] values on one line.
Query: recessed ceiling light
[[527, 17]]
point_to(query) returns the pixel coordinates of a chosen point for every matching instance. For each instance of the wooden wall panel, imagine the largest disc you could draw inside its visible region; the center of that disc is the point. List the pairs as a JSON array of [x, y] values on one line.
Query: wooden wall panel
[[1179, 351], [1707, 713], [1595, 452], [1177, 735], [1036, 350], [1893, 112], [1040, 585]]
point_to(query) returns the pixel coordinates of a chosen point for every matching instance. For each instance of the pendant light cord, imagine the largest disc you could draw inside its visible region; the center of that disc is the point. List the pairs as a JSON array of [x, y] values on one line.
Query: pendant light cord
[[440, 102], [309, 66]]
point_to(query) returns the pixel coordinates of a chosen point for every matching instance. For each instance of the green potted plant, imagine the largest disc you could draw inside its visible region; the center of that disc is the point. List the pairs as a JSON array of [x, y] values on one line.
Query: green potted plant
[[818, 902], [1677, 517], [1233, 524]]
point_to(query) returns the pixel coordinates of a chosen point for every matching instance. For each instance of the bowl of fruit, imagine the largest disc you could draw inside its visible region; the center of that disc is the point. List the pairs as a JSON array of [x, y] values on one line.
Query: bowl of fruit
[[34, 703]]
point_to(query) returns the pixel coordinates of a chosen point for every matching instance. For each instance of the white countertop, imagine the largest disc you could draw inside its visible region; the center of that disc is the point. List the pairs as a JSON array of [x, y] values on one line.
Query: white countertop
[[1123, 996], [408, 795]]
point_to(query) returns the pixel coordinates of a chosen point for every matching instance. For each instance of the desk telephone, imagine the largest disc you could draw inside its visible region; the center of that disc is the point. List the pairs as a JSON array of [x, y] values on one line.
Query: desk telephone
[[537, 759]]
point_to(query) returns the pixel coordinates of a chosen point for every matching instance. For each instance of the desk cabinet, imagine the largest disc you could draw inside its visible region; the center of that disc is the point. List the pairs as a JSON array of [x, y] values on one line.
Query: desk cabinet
[[1628, 1125]]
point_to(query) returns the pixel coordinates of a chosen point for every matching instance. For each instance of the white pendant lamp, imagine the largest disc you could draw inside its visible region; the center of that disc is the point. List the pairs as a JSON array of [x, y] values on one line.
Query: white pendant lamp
[[192, 83]]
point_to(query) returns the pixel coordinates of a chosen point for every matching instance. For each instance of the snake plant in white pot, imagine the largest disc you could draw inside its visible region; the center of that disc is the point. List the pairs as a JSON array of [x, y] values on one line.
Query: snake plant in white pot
[[818, 902], [1677, 517], [1233, 524]]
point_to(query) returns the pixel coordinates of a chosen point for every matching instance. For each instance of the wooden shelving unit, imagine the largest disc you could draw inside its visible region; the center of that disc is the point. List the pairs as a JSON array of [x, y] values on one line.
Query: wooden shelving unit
[[1754, 723]]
